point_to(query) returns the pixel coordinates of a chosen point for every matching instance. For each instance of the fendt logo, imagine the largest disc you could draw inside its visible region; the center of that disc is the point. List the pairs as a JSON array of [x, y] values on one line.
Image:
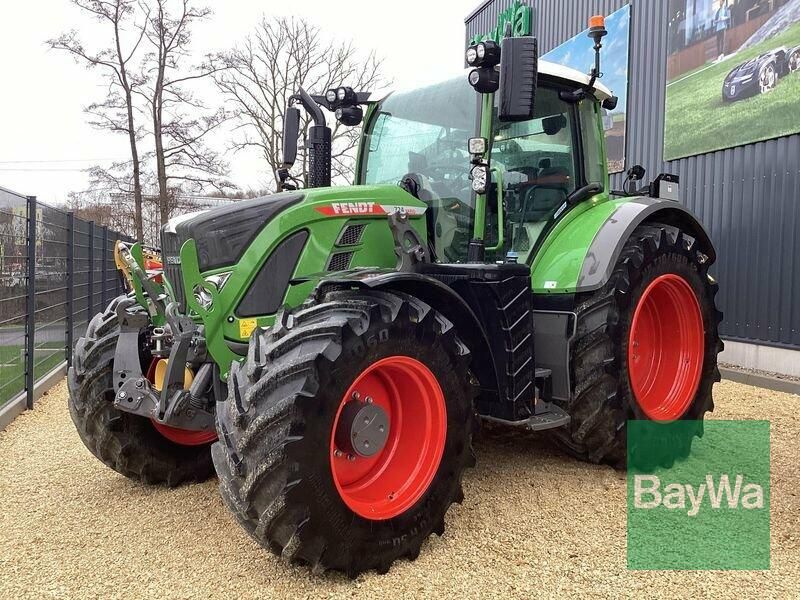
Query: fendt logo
[[367, 208], [351, 208]]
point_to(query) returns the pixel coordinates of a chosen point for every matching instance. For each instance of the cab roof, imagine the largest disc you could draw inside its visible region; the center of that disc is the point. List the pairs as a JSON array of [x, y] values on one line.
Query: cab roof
[[569, 74]]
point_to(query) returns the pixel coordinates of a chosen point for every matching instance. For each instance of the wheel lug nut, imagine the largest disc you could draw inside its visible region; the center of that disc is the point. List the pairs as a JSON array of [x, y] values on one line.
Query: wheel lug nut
[[337, 453], [351, 457], [368, 400], [356, 396]]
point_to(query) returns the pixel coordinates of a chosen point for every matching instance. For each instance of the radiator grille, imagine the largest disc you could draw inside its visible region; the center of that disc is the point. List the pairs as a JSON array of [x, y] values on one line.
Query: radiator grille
[[171, 251], [351, 235], [340, 261]]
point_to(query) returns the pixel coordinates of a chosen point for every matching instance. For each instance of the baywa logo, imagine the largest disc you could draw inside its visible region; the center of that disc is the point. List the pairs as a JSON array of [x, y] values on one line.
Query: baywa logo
[[698, 495], [717, 493]]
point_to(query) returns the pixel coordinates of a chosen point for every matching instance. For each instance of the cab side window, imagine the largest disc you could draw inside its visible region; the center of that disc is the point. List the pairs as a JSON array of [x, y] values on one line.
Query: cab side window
[[539, 168]]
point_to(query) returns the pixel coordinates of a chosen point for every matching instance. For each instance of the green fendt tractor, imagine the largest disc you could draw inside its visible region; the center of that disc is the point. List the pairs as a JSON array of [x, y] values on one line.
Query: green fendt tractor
[[329, 351]]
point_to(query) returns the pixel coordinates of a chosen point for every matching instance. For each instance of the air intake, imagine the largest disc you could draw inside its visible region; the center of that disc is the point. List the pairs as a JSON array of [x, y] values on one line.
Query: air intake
[[340, 261], [351, 235]]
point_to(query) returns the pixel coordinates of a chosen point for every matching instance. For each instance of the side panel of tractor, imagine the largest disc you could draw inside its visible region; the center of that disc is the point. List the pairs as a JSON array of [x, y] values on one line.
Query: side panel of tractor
[[323, 217]]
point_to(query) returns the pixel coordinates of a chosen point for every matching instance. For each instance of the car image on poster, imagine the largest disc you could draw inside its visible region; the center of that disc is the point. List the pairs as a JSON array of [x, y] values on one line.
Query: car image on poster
[[761, 74]]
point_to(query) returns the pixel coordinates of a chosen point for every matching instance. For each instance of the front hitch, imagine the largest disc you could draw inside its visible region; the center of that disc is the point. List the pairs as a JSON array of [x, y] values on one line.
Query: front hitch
[[173, 405]]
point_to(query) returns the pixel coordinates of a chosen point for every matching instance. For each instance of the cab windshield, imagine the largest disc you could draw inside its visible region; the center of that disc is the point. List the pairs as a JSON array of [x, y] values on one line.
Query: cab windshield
[[425, 133]]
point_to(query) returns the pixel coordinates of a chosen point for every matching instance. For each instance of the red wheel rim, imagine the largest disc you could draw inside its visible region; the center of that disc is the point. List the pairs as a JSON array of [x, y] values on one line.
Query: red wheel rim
[[182, 437], [665, 348], [388, 483]]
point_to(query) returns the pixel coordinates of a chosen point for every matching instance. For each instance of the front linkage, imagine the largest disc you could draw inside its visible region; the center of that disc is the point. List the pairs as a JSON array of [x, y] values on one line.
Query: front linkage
[[174, 404], [164, 393]]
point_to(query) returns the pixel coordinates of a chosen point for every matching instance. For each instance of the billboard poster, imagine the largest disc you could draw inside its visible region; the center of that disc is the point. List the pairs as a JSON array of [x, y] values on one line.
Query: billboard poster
[[733, 74], [578, 53]]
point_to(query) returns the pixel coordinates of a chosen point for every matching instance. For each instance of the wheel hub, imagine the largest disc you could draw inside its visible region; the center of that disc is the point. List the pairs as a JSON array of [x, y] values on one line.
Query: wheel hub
[[363, 428], [388, 437]]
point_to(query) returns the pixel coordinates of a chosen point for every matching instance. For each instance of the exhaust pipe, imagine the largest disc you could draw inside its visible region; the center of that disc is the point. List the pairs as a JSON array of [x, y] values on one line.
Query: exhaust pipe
[[318, 141]]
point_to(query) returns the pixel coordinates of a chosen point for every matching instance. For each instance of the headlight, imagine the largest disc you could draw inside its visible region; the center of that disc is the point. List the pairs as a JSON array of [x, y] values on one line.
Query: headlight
[[481, 50], [202, 296], [349, 115], [474, 77], [330, 96], [480, 177], [472, 55], [201, 293], [477, 146], [485, 80], [219, 280], [341, 94]]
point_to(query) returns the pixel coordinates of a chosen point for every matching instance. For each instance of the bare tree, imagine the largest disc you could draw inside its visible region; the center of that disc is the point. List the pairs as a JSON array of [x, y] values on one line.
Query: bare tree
[[180, 122], [115, 113], [281, 55]]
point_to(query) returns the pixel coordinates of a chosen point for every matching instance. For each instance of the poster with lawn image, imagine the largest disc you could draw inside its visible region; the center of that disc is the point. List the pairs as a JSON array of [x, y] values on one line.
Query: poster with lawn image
[[577, 53], [733, 74]]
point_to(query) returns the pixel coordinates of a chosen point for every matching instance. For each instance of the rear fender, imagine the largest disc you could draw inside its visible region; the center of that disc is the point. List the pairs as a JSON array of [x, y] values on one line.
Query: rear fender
[[580, 253], [607, 245]]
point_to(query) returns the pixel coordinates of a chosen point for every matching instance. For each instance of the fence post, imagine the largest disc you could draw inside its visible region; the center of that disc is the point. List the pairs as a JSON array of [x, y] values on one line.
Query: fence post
[[70, 283], [30, 320], [90, 279], [104, 258]]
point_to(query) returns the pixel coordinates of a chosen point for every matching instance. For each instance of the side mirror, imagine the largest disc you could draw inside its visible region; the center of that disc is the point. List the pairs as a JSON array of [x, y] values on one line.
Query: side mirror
[[291, 129], [519, 66], [608, 121]]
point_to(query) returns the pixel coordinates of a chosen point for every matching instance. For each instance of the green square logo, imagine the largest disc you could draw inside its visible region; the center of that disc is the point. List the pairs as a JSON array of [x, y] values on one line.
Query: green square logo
[[707, 510]]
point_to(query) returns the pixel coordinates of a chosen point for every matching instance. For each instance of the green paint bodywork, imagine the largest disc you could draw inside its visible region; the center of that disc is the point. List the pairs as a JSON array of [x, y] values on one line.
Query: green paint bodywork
[[376, 248], [560, 258]]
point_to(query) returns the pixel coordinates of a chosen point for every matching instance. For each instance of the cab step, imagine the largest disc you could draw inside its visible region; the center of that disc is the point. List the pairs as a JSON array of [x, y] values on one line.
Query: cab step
[[546, 415]]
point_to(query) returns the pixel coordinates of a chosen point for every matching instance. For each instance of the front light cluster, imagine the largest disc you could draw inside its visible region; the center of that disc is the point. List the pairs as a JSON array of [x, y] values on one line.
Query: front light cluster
[[201, 293], [480, 178], [484, 56], [343, 101]]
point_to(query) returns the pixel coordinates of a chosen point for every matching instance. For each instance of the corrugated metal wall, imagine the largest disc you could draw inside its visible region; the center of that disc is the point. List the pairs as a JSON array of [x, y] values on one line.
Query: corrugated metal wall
[[748, 197]]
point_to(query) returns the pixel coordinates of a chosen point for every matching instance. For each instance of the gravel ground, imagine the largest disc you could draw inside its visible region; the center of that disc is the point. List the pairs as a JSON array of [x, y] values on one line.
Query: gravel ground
[[534, 523]]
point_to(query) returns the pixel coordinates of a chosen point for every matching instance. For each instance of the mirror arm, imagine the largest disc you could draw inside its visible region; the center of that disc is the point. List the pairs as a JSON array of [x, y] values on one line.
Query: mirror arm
[[312, 107]]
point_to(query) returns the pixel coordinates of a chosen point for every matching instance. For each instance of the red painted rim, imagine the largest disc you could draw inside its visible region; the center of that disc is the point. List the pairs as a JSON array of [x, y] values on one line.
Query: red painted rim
[[182, 437], [666, 348], [390, 482]]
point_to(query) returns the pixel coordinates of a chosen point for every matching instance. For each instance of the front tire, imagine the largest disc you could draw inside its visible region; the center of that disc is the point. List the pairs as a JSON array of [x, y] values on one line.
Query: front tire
[[127, 443], [646, 347], [290, 479]]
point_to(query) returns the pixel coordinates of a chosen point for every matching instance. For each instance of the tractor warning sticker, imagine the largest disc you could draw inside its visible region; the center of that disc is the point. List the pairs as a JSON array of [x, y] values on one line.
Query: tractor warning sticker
[[335, 209], [246, 327]]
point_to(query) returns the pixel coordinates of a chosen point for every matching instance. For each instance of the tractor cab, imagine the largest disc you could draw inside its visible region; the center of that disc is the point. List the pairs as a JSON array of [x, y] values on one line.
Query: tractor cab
[[421, 139]]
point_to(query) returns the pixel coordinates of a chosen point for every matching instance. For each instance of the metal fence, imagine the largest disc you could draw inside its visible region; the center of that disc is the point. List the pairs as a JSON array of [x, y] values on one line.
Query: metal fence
[[56, 272]]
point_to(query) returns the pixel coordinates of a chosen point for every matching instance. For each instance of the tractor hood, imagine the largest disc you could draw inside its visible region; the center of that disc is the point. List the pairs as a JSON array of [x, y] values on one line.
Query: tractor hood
[[223, 234]]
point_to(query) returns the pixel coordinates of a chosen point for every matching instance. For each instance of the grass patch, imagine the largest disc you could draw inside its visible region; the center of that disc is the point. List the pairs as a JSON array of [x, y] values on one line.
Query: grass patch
[[12, 367], [698, 121]]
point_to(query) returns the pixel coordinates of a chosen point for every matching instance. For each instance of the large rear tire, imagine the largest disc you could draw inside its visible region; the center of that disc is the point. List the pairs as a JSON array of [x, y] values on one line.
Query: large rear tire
[[646, 347], [289, 476], [127, 443]]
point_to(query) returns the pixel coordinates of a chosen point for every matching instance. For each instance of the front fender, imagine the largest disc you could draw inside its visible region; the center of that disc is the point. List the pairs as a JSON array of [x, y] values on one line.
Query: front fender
[[438, 295]]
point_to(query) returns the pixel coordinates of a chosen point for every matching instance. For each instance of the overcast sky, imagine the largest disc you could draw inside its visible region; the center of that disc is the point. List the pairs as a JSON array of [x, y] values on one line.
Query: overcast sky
[[45, 140]]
